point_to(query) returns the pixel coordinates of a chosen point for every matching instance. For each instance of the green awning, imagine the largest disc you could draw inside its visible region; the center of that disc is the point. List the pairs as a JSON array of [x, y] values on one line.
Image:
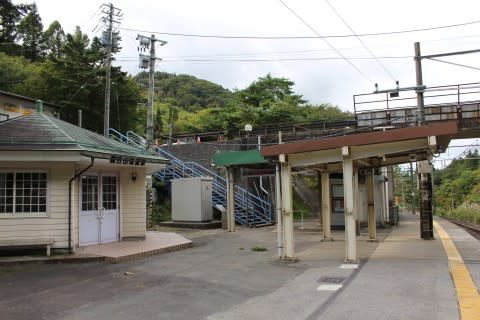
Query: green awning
[[238, 158]]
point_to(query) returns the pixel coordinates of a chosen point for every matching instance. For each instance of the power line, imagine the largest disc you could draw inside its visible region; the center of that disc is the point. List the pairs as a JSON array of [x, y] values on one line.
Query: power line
[[454, 63], [372, 34], [360, 40], [325, 40], [273, 60]]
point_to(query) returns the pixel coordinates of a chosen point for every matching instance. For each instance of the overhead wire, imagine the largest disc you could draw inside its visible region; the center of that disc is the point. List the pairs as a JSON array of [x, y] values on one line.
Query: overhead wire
[[325, 40], [360, 40], [179, 34], [454, 63], [274, 59]]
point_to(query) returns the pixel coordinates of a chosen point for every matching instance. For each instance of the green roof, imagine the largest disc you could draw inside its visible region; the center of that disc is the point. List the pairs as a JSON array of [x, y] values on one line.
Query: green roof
[[237, 158], [42, 132]]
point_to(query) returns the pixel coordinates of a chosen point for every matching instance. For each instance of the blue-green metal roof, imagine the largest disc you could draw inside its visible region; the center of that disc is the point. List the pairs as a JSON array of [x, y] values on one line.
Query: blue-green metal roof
[[39, 131], [238, 158]]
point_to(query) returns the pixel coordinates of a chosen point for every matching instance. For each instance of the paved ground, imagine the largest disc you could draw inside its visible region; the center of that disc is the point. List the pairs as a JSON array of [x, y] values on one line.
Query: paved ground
[[221, 278]]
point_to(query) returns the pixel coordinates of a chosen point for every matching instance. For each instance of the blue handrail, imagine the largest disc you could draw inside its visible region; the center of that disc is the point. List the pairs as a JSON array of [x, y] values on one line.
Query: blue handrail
[[250, 209]]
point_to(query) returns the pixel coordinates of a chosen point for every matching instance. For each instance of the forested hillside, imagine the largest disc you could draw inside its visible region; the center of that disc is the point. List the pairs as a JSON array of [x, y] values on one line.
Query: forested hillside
[[457, 188], [68, 69]]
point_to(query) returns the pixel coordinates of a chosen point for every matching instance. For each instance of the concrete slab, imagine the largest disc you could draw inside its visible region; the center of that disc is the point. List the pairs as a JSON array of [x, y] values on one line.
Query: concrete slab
[[222, 278], [405, 278], [468, 247], [154, 243]]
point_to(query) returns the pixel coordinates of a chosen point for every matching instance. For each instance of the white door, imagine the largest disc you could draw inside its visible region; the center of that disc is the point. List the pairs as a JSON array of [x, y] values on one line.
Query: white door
[[109, 209], [98, 222]]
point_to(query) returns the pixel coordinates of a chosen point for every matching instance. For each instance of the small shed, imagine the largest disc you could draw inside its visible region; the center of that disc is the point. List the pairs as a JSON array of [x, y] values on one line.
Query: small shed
[[66, 185]]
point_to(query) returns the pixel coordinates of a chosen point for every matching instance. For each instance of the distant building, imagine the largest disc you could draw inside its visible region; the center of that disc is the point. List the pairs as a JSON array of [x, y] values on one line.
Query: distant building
[[13, 105]]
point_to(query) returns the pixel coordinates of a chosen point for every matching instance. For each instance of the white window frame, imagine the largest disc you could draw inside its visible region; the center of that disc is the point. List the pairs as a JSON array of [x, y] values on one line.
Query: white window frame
[[15, 214]]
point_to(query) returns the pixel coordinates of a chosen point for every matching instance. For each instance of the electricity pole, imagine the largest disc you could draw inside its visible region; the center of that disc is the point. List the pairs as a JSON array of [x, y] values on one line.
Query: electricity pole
[[419, 90], [149, 60], [109, 39]]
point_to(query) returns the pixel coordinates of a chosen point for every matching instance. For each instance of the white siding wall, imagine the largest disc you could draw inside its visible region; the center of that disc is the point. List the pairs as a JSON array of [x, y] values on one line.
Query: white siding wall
[[132, 203], [55, 224]]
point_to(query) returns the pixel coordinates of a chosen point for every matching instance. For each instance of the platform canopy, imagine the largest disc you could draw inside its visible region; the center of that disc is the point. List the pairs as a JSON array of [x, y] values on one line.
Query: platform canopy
[[239, 158]]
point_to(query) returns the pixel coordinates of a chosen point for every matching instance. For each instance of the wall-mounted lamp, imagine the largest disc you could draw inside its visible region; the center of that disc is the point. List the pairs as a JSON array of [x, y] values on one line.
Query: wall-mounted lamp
[[134, 176]]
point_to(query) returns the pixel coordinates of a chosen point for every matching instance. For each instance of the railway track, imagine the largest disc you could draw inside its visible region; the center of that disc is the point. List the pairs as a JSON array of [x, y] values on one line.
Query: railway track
[[473, 229]]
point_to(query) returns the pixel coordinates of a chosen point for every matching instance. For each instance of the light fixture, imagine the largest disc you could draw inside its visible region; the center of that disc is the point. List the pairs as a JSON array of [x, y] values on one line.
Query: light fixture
[[134, 176]]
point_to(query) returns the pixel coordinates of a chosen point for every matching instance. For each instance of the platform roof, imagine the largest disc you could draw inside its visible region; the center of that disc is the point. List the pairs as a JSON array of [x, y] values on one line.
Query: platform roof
[[239, 158], [448, 128]]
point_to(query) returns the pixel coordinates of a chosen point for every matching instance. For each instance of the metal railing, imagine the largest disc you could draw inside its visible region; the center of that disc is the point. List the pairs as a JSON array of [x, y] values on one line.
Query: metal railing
[[451, 102], [250, 209]]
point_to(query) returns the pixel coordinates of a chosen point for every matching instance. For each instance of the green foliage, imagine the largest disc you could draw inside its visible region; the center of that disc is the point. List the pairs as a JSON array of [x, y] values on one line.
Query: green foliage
[[54, 38], [161, 212], [194, 105], [269, 90], [459, 182], [259, 249], [10, 16], [31, 33], [187, 92], [68, 70], [466, 213]]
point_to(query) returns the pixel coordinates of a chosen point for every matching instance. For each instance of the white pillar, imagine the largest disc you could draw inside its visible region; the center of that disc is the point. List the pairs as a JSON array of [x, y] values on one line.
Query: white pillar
[[386, 209], [287, 212], [278, 208], [350, 237], [378, 198], [356, 203], [372, 221], [326, 207], [230, 201]]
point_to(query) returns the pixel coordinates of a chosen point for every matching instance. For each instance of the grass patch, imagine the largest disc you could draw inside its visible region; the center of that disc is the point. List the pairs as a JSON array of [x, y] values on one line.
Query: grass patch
[[259, 249], [161, 212], [465, 214]]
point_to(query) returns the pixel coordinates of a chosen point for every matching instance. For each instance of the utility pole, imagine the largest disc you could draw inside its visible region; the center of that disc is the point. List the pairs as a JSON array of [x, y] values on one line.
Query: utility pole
[[109, 40], [149, 60], [419, 90]]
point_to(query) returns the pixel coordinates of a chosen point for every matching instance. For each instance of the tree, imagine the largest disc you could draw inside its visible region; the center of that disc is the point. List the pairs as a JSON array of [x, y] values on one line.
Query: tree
[[31, 33], [10, 15], [54, 40], [267, 90]]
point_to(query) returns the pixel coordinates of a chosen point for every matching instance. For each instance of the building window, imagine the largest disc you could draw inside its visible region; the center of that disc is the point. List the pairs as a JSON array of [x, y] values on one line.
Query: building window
[[23, 192]]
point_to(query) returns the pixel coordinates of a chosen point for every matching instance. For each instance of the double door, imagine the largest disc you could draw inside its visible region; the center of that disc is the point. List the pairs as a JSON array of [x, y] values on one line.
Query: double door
[[99, 214]]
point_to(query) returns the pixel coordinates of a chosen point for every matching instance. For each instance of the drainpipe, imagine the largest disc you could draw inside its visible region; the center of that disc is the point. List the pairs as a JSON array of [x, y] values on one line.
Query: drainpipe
[[70, 248], [261, 186]]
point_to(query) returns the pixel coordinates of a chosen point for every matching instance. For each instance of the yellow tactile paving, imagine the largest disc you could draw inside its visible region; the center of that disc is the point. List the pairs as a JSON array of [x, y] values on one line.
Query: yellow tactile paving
[[467, 293]]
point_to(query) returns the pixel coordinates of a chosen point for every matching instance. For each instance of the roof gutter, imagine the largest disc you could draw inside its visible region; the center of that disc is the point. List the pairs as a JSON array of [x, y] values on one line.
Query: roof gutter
[[78, 174]]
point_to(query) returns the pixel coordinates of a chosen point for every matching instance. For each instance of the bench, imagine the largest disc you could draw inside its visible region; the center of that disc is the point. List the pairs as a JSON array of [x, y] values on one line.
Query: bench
[[29, 243]]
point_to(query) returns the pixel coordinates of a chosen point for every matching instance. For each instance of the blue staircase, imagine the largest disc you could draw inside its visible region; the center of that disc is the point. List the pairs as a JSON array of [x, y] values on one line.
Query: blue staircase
[[250, 209]]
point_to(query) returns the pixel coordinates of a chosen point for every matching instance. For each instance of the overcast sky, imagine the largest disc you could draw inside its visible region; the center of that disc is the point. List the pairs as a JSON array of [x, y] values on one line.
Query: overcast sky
[[332, 81]]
